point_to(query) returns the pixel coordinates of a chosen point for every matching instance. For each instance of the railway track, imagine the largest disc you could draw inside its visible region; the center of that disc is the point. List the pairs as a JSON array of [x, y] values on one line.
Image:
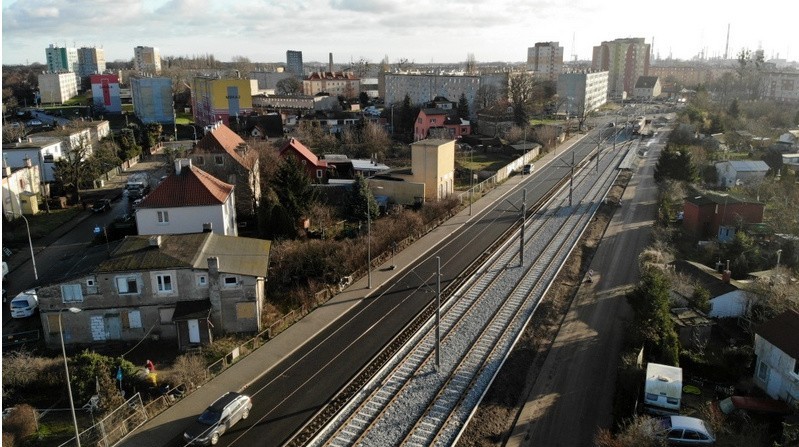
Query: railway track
[[479, 324]]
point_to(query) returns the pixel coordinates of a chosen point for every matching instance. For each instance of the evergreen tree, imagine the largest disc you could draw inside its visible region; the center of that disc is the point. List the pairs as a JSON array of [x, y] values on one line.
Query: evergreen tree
[[293, 190], [407, 116], [362, 201], [734, 110], [652, 325], [463, 107], [675, 163]]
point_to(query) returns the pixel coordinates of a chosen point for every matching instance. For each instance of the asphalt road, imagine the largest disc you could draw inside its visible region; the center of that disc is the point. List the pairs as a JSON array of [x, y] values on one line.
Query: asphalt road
[[577, 381], [289, 394]]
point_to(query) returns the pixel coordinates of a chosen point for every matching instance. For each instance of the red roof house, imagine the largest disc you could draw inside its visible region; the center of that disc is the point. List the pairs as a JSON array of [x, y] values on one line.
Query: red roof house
[[314, 166]]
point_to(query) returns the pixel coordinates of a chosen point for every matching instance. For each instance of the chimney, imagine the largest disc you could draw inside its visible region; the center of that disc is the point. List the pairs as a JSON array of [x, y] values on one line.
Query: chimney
[[155, 241], [181, 163], [27, 162], [330, 64], [208, 227]]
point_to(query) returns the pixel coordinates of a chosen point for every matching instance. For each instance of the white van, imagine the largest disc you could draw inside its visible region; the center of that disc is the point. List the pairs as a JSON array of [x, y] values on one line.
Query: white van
[[24, 305]]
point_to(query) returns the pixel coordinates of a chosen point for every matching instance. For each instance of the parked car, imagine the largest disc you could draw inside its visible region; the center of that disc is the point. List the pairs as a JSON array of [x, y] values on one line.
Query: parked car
[[758, 405], [218, 418], [685, 430], [528, 168], [101, 205], [34, 122], [24, 304]]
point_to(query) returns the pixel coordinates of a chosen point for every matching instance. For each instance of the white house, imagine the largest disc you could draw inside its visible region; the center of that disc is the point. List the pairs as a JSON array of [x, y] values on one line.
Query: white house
[[42, 152], [732, 173], [727, 298], [21, 189], [191, 201], [777, 353], [73, 138]]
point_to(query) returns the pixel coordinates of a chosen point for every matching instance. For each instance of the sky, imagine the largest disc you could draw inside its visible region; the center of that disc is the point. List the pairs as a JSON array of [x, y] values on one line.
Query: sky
[[421, 31]]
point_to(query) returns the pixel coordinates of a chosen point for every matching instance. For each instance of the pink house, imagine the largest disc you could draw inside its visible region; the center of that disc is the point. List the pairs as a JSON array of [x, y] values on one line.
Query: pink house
[[316, 168], [434, 118]]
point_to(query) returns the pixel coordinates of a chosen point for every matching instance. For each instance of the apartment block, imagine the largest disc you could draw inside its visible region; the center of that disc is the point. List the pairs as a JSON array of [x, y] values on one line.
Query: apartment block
[[105, 93], [294, 63], [55, 88], [582, 92], [781, 86], [545, 59], [91, 60], [220, 99], [335, 83], [423, 88], [152, 99], [147, 60], [61, 59], [624, 60]]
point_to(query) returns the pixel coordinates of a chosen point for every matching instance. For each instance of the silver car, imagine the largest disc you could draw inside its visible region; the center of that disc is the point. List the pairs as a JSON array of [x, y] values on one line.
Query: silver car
[[218, 418], [685, 430]]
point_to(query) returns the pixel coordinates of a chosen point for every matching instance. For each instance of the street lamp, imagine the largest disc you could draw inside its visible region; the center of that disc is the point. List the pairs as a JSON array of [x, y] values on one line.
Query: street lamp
[[369, 237], [74, 310], [30, 243]]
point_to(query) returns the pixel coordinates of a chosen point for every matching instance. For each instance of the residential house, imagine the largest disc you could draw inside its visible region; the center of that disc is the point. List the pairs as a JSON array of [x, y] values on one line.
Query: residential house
[[436, 118], [343, 167], [728, 299], [711, 215], [647, 88], [75, 138], [220, 99], [315, 167], [227, 157], [186, 288], [781, 86], [21, 189], [738, 172], [42, 152], [692, 326], [190, 201], [777, 357], [105, 93]]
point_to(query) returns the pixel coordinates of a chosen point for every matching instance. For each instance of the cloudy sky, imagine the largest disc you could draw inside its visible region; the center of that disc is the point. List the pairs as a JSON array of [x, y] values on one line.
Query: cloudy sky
[[421, 31]]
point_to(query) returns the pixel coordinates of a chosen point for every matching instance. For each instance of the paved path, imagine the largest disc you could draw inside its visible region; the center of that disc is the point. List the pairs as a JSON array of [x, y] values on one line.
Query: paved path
[[577, 381]]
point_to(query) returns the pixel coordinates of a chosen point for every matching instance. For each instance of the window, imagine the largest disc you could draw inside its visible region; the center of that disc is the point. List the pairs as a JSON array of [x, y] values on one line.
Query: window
[[672, 400], [651, 396], [90, 282], [219, 160], [762, 371], [231, 281], [166, 314], [163, 217], [127, 284], [164, 283], [318, 173], [71, 293], [134, 319], [202, 281]]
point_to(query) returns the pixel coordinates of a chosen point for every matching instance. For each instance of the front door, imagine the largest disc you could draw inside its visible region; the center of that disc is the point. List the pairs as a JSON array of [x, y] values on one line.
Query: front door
[[113, 328], [194, 331]]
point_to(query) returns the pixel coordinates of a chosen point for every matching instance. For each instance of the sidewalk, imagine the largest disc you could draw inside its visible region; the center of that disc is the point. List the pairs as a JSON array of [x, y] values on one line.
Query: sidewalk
[[171, 423]]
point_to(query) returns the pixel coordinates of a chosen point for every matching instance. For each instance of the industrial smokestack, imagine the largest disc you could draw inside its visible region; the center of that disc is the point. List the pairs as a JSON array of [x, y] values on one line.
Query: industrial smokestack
[[330, 63]]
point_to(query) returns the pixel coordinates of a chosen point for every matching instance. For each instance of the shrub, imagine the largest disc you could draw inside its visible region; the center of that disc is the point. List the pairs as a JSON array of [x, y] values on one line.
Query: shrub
[[189, 369], [21, 423]]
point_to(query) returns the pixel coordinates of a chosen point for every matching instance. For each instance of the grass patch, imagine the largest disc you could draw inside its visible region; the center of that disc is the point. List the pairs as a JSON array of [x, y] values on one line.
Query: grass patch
[[40, 225]]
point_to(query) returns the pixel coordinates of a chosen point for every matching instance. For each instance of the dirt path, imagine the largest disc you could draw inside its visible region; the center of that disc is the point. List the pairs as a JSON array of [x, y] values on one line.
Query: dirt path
[[494, 420]]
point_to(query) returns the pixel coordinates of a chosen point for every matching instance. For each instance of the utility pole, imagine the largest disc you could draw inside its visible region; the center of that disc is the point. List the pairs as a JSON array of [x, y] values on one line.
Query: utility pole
[[438, 312]]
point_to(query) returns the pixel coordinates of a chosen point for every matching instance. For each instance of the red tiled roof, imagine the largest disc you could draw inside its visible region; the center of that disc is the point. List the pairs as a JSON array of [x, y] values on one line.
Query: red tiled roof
[[303, 151], [192, 187], [222, 139]]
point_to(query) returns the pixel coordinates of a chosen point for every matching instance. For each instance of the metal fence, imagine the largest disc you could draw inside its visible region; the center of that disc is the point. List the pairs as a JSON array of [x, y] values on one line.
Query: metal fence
[[115, 425]]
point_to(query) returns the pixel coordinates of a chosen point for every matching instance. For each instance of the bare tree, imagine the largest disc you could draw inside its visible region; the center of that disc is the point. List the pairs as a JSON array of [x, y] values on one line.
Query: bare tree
[[288, 86], [471, 64]]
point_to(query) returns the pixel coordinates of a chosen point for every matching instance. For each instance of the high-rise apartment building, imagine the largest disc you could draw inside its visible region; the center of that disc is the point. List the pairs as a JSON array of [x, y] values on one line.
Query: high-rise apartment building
[[582, 92], [152, 99], [624, 60], [61, 59], [215, 99], [55, 88], [91, 61], [147, 60], [294, 62], [545, 59]]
